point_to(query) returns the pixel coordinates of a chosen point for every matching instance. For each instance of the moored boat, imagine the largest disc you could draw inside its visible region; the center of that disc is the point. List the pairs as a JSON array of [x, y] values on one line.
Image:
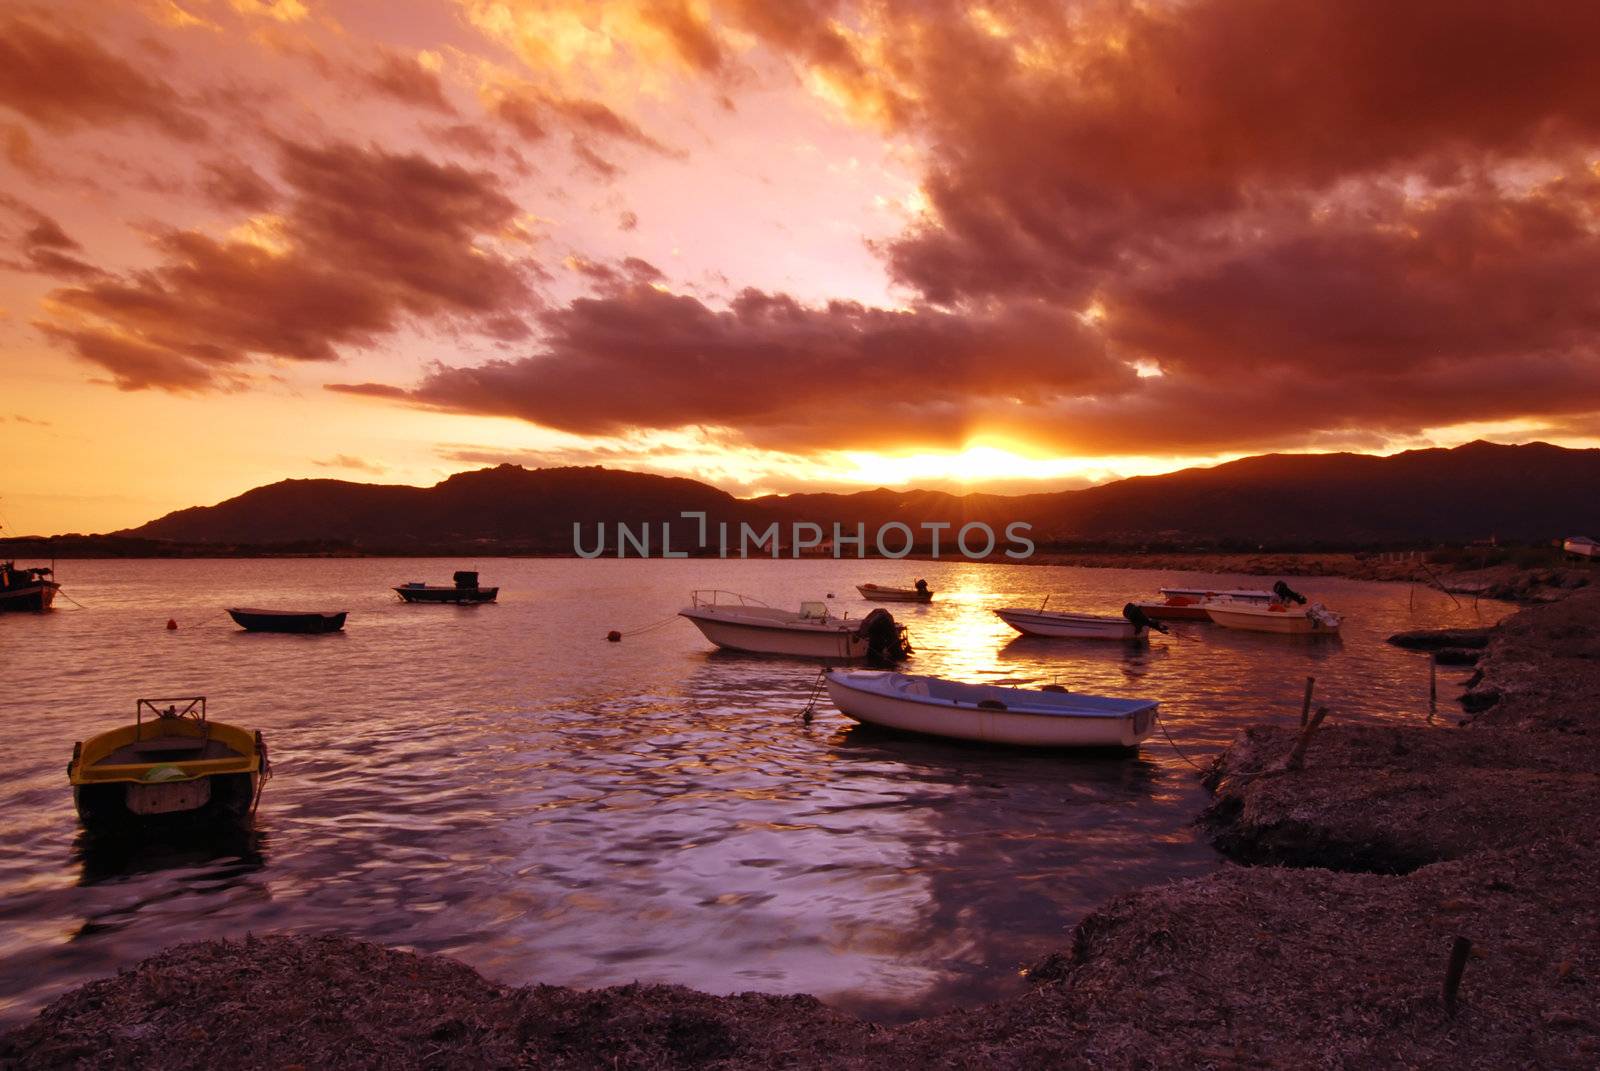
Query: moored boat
[[26, 590], [1581, 547], [464, 590], [1062, 624], [1047, 717], [1314, 619], [1285, 612], [301, 621], [171, 763], [1189, 604], [881, 593], [739, 623]]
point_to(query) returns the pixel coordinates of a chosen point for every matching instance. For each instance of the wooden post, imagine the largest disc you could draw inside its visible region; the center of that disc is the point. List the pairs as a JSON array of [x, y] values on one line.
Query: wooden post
[[1305, 704], [1433, 686], [1297, 757], [1459, 951]]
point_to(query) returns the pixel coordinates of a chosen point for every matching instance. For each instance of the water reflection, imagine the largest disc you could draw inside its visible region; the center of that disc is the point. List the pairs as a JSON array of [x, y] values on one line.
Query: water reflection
[[501, 784], [227, 852]]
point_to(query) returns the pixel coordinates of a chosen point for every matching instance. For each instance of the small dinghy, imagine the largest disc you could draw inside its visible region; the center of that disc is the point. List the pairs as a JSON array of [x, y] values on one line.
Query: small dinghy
[[1286, 613], [879, 593], [288, 620], [1060, 624], [464, 590], [1030, 717], [177, 764], [739, 623]]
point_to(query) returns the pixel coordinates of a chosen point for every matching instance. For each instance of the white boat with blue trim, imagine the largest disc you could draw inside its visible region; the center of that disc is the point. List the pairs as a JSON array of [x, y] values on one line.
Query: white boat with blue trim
[[991, 714]]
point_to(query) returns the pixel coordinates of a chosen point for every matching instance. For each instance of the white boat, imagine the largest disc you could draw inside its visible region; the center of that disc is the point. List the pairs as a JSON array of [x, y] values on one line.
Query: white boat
[[880, 593], [739, 623], [1061, 624], [1276, 617], [1035, 717], [1581, 547]]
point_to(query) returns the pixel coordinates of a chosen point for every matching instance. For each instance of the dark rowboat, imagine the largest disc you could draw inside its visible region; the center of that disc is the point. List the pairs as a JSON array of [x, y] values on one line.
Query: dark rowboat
[[289, 620], [465, 589], [26, 590]]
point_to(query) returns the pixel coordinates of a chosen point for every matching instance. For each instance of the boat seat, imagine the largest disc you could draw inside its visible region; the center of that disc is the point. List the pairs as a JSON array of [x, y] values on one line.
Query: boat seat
[[170, 743]]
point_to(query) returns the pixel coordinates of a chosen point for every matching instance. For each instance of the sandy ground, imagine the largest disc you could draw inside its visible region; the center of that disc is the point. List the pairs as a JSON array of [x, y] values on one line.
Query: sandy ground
[[1330, 951]]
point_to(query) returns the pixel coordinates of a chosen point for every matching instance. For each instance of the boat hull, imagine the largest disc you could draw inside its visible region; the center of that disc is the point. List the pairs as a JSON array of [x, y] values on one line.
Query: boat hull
[[877, 594], [1174, 611], [443, 594], [126, 777], [301, 623], [222, 801], [968, 721], [1054, 625], [1288, 622], [29, 599], [778, 639]]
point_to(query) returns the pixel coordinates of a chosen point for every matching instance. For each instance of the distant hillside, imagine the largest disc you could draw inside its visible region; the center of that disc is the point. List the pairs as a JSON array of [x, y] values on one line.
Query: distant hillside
[[508, 507], [1526, 493]]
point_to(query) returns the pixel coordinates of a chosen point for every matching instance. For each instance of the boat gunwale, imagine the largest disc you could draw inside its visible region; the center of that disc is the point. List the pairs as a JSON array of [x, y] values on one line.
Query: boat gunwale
[[844, 679], [832, 626]]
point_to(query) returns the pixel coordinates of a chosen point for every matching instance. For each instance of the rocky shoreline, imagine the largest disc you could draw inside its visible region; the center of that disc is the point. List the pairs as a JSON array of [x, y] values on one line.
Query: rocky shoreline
[[1330, 949]]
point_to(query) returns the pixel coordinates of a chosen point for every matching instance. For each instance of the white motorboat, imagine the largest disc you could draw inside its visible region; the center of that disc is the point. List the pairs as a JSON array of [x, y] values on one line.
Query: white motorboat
[[1276, 617], [1061, 624], [1047, 717], [1581, 547], [880, 593], [739, 623]]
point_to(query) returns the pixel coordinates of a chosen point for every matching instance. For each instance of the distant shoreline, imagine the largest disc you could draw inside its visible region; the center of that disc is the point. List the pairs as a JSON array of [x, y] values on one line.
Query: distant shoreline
[[1526, 575]]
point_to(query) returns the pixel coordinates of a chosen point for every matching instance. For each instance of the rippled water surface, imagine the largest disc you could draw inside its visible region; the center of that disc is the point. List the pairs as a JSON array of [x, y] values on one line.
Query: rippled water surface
[[500, 784]]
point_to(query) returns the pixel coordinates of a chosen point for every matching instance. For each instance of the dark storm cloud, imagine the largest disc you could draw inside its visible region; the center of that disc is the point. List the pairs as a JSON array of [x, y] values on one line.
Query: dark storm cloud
[[366, 240]]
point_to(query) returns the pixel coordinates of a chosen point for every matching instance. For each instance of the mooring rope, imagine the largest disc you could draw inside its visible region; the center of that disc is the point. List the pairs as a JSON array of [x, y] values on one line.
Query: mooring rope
[[1161, 722], [816, 690]]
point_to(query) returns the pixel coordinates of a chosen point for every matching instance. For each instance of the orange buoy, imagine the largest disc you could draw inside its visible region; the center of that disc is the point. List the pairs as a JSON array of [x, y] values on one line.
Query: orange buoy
[[172, 625], [614, 636]]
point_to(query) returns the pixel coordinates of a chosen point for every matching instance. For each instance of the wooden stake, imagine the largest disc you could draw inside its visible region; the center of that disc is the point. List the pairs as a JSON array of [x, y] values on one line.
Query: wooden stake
[[1433, 686], [1459, 952], [1297, 757], [1305, 704]]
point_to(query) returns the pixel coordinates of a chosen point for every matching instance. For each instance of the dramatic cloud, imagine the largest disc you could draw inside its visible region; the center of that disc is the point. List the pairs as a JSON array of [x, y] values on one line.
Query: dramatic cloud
[[406, 79], [785, 374], [63, 79], [44, 247], [233, 184], [368, 239]]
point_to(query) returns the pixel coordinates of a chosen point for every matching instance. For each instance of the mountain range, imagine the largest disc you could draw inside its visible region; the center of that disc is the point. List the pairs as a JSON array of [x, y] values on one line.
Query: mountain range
[[1530, 493]]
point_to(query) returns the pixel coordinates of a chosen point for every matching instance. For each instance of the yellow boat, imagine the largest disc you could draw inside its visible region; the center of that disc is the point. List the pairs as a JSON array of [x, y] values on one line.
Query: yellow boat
[[171, 762]]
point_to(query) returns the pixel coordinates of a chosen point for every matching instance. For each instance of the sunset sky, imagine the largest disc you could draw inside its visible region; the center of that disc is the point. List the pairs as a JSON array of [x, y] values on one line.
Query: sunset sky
[[795, 244]]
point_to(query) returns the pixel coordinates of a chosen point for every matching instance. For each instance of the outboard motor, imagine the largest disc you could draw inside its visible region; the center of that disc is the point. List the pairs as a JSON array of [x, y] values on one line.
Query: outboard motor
[[1141, 620], [1288, 594], [886, 637], [466, 579]]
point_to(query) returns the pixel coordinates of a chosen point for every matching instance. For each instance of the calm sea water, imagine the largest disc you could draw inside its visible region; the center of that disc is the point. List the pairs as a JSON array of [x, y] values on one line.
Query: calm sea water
[[500, 784]]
